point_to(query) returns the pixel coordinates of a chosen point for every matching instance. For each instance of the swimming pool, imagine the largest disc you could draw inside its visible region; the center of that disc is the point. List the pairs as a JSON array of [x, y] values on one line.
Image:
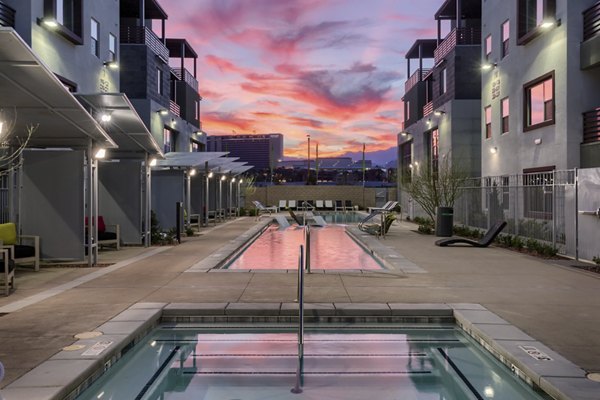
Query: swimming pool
[[212, 362], [331, 248]]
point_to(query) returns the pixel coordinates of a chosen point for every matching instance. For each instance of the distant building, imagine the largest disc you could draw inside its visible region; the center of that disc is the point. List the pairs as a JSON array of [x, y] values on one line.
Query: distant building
[[262, 151], [327, 163]]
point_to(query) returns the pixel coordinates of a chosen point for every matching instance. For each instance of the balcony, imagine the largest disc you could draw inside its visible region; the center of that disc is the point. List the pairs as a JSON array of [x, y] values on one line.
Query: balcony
[[591, 126], [458, 37], [185, 76], [416, 77], [591, 21], [590, 47], [7, 16], [144, 35]]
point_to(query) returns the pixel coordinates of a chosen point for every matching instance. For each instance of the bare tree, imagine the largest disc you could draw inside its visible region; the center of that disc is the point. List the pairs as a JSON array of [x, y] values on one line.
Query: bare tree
[[11, 146], [435, 187]]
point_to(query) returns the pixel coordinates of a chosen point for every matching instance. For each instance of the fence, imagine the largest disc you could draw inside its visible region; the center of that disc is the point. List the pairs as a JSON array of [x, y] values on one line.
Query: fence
[[4, 199]]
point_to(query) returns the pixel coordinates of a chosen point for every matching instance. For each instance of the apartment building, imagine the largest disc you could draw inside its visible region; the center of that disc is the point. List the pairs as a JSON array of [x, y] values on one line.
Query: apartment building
[[261, 151]]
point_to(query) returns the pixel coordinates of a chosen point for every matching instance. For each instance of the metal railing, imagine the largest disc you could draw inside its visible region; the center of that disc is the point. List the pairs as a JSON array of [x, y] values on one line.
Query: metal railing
[[174, 108], [301, 261], [185, 76], [7, 15], [591, 21], [427, 109], [591, 126], [415, 78], [457, 37], [144, 35]]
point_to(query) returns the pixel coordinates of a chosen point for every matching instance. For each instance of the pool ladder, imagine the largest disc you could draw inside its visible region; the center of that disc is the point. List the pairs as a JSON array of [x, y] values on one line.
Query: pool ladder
[[303, 263]]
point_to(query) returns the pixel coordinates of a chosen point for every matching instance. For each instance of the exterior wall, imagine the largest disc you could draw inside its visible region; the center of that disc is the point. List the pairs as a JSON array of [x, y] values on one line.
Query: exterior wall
[[270, 195], [186, 98], [139, 78], [72, 61], [575, 91], [416, 97]]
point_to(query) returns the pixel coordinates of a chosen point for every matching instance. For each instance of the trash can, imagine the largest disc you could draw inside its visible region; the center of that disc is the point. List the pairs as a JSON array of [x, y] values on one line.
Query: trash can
[[444, 221]]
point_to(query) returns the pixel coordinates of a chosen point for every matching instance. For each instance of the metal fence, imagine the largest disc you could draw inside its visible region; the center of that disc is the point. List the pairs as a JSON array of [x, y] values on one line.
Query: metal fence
[[4, 199], [537, 205]]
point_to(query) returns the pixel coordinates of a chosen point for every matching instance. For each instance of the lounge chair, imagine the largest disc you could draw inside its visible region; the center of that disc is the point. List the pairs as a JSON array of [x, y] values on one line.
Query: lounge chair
[[339, 205], [7, 265], [292, 204], [20, 252], [319, 204], [376, 229], [282, 204], [485, 241], [387, 207], [348, 205], [264, 209], [329, 204]]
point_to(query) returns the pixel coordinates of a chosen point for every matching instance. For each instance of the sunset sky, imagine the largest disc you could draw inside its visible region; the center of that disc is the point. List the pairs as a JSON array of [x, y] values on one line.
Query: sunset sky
[[334, 69]]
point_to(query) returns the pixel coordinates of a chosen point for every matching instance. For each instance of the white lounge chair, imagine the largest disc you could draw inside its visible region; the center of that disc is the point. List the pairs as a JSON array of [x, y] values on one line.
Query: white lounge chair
[[329, 204], [319, 204], [292, 204], [282, 204], [264, 209], [389, 206]]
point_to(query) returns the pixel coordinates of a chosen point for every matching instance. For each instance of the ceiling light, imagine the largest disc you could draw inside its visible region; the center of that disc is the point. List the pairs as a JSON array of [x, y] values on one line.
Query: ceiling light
[[210, 174], [193, 172], [100, 153], [105, 117], [223, 177], [241, 181], [493, 150], [153, 162]]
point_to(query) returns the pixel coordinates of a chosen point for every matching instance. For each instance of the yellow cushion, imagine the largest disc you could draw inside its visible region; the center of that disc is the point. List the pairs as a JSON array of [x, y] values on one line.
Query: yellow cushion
[[8, 233]]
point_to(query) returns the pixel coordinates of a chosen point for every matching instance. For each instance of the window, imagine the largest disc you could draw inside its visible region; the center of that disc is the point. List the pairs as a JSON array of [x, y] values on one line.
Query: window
[[197, 110], [67, 13], [488, 47], [112, 47], [94, 43], [406, 111], [539, 102], [531, 14], [537, 192], [488, 122], [505, 37], [406, 160], [504, 105], [169, 140], [194, 146], [443, 81], [159, 79], [435, 151]]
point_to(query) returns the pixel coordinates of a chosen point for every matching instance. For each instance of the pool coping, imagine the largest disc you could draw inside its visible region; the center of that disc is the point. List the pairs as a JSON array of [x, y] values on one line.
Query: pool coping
[[66, 374]]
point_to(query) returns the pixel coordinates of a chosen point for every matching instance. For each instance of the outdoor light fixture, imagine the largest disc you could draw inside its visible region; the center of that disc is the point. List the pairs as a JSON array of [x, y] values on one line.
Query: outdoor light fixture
[[493, 150], [210, 174], [105, 117], [111, 64], [193, 172], [486, 66], [410, 166], [50, 22], [438, 113], [548, 23], [153, 162], [163, 111], [100, 153], [1, 126], [405, 134], [241, 181], [232, 179], [223, 177], [538, 141], [429, 122], [173, 122], [416, 163]]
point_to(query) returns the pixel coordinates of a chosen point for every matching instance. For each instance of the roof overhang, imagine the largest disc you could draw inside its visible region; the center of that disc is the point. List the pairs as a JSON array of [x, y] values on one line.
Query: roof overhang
[[180, 48], [241, 169], [38, 98], [470, 9], [189, 159], [152, 10], [427, 48], [229, 167], [125, 127]]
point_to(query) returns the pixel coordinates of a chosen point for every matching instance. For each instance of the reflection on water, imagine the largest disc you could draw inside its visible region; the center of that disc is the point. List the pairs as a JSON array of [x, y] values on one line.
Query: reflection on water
[[331, 248]]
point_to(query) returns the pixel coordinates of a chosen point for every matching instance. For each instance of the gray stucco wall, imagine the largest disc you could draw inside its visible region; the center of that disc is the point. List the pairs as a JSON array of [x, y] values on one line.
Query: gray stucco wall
[[168, 188], [119, 197], [52, 202]]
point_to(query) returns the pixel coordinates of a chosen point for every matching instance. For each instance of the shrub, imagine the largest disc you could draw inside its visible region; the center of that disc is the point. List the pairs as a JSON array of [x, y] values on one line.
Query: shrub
[[596, 260], [189, 231], [517, 242], [425, 226]]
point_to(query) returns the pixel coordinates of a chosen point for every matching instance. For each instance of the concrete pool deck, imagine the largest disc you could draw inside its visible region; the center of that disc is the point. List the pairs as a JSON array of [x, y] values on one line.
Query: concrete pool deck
[[555, 304]]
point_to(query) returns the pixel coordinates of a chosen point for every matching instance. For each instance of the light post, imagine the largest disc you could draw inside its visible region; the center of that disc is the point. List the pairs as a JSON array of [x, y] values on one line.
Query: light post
[[308, 162], [238, 192], [230, 198], [220, 208]]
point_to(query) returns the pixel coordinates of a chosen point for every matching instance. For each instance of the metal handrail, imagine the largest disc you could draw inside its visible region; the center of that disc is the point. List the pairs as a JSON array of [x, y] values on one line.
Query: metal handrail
[[307, 247], [297, 388]]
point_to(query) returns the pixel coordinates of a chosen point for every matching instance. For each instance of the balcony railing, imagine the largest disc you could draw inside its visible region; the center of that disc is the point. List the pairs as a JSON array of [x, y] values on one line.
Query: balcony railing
[[457, 37], [427, 109], [7, 16], [591, 21], [417, 76], [184, 75], [591, 126], [144, 35], [174, 108]]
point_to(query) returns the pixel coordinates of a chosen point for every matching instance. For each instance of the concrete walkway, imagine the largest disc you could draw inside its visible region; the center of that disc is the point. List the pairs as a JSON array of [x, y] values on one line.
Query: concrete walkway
[[557, 305]]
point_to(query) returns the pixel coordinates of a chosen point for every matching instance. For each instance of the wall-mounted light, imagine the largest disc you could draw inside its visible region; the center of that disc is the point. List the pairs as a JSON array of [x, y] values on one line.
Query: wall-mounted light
[[163, 111], [193, 172], [232, 180], [439, 113], [538, 141], [111, 64], [493, 150], [49, 23], [223, 177], [100, 153], [429, 122], [405, 134], [210, 174], [153, 162], [241, 181], [550, 22], [173, 122], [486, 66]]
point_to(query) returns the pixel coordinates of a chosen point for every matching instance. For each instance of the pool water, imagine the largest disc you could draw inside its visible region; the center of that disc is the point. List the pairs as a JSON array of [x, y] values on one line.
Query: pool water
[[407, 363], [331, 248]]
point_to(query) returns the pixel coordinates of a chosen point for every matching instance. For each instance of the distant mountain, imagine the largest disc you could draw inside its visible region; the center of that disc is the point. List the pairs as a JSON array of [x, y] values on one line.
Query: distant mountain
[[379, 158]]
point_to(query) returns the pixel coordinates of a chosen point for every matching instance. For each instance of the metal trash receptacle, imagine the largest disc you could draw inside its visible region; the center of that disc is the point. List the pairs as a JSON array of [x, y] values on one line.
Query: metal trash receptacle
[[444, 221]]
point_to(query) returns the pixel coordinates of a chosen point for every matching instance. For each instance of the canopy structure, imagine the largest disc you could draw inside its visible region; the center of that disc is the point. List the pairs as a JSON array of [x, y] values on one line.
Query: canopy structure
[[191, 159], [123, 124], [32, 95]]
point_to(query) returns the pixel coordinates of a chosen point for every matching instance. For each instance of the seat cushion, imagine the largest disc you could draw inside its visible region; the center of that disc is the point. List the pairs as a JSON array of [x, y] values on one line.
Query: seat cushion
[[8, 233], [101, 224], [23, 251], [107, 236], [11, 265]]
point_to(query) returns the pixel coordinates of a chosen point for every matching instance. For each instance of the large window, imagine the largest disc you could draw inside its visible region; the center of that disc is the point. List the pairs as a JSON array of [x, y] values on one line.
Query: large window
[[532, 14], [488, 47], [505, 38], [68, 15], [443, 81], [94, 34], [539, 102], [505, 110], [488, 121], [537, 196]]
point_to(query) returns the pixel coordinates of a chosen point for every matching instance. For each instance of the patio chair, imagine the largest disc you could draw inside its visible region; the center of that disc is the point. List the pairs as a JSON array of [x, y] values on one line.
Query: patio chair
[[329, 204], [282, 204], [319, 204], [485, 241], [21, 253], [261, 208], [292, 204], [7, 264], [339, 205], [376, 229], [348, 205]]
